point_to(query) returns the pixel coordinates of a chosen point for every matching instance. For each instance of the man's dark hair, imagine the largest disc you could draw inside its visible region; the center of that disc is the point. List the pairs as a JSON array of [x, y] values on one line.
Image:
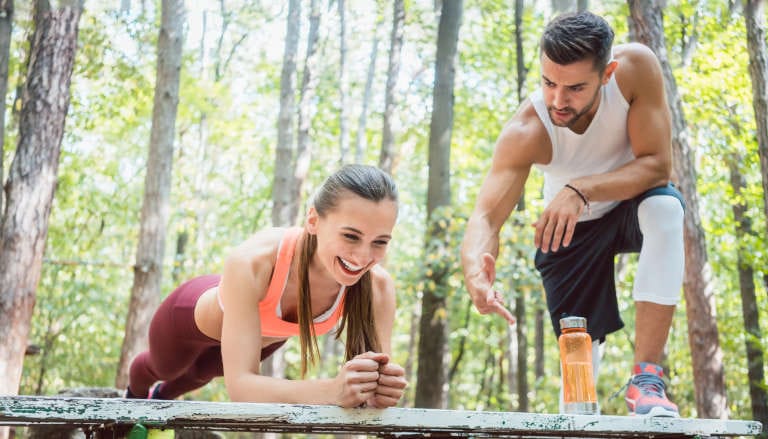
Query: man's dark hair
[[578, 36]]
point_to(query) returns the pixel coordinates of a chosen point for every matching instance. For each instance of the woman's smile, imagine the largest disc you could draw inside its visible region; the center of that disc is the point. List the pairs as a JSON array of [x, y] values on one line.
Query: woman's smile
[[349, 267]]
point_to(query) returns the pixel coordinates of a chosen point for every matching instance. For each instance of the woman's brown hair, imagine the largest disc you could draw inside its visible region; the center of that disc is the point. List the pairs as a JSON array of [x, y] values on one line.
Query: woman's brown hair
[[372, 184]]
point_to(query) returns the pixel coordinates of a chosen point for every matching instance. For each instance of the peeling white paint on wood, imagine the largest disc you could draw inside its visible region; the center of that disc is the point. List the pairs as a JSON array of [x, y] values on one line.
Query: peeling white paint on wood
[[95, 413]]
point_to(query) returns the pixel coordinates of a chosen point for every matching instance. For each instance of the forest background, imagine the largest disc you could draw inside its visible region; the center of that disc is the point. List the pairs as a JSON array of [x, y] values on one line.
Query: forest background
[[224, 168]]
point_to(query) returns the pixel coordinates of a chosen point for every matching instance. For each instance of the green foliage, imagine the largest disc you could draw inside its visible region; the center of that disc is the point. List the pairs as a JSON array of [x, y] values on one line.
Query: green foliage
[[224, 163]]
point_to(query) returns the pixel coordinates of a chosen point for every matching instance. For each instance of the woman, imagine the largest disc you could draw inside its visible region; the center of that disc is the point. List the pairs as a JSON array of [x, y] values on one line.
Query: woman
[[284, 282]]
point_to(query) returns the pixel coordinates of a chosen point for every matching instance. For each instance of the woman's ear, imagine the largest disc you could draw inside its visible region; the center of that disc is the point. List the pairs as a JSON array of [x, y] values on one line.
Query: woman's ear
[[312, 219]]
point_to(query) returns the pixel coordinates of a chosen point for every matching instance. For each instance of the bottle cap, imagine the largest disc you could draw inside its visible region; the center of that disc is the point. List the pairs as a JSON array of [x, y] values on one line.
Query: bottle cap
[[573, 322]]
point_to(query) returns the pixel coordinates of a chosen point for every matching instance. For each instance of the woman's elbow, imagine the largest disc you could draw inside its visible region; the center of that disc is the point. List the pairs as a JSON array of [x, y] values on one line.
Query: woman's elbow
[[236, 390]]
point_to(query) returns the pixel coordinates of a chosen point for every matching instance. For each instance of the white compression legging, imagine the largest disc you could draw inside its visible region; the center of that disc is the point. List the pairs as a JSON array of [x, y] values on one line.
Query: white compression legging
[[662, 257]]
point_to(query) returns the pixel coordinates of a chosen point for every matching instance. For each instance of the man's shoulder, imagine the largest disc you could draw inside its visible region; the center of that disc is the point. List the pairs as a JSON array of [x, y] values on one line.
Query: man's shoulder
[[634, 53], [637, 65], [524, 137]]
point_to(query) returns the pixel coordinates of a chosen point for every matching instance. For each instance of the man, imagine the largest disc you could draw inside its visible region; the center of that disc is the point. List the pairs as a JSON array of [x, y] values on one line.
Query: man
[[599, 129]]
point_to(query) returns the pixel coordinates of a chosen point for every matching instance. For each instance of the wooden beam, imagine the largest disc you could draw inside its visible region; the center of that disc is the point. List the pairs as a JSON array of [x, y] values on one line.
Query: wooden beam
[[93, 414]]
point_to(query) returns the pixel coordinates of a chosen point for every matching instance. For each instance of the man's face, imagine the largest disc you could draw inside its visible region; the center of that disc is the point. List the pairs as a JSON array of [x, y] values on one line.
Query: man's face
[[571, 92]]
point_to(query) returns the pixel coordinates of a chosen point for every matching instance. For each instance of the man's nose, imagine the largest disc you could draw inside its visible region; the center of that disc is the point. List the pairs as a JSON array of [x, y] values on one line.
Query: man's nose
[[560, 99]]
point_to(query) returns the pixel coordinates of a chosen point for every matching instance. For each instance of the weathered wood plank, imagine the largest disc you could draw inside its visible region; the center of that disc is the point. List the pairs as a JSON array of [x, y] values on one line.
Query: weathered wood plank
[[103, 413]]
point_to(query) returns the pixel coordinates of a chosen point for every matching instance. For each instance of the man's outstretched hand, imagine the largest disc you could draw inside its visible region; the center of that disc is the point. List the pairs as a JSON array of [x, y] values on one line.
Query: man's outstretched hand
[[480, 286]]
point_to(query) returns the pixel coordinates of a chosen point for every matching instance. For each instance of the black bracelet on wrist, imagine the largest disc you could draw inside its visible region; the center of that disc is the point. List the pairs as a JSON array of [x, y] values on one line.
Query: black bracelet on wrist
[[580, 194]]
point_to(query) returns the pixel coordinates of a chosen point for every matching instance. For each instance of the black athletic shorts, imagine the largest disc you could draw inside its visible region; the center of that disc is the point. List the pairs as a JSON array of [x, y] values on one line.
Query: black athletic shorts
[[579, 279]]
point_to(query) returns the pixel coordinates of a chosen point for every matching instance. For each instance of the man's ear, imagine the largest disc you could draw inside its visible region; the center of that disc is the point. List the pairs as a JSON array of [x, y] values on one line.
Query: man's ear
[[312, 219], [609, 69]]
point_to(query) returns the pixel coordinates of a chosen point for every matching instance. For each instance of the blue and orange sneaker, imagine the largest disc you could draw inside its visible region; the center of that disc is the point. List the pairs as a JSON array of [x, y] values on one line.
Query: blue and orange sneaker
[[154, 392], [645, 393]]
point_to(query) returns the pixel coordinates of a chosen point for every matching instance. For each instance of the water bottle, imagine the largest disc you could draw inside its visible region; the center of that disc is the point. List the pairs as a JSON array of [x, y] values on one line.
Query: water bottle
[[579, 395]]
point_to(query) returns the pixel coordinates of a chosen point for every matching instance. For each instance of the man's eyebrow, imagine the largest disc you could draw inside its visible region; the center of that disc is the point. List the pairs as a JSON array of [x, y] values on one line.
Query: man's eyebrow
[[580, 84]]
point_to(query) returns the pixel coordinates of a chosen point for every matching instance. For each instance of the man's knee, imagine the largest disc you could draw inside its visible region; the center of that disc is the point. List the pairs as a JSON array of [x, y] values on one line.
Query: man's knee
[[660, 214], [661, 265]]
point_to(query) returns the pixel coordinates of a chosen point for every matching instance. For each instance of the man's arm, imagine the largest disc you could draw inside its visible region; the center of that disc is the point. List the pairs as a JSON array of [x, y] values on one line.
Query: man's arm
[[501, 190]]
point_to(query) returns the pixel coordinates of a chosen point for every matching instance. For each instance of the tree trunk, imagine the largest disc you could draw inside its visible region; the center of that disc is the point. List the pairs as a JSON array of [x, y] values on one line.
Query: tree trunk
[[283, 202], [343, 92], [539, 341], [433, 325], [462, 344], [765, 284], [202, 161], [412, 343], [522, 70], [360, 137], [511, 354], [563, 6], [283, 172], [754, 17], [307, 109], [455, 364], [707, 356], [522, 74], [6, 25], [520, 310], [32, 182], [522, 352], [178, 259], [155, 210], [387, 156], [749, 307]]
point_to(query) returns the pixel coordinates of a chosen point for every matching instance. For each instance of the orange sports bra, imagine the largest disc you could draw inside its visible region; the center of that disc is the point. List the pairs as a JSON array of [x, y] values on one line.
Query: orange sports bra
[[272, 324]]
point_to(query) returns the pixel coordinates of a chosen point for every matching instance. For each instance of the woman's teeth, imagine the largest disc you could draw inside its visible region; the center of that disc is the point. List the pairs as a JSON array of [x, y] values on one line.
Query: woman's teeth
[[349, 266]]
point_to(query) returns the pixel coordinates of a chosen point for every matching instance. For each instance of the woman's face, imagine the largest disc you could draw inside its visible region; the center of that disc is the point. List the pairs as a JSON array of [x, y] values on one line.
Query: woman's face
[[352, 237]]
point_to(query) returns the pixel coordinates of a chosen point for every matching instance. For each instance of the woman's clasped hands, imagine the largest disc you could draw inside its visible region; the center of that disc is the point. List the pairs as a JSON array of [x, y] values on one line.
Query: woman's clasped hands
[[371, 380]]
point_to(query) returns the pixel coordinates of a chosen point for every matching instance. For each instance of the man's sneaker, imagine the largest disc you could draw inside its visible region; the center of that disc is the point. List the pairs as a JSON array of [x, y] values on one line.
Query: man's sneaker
[[645, 393]]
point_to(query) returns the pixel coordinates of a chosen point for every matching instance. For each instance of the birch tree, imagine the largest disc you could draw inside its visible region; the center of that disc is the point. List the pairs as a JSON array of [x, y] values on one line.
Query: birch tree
[[749, 304], [343, 86], [6, 25], [521, 333], [283, 197], [754, 18], [32, 179], [155, 210], [283, 172], [360, 140], [307, 109], [431, 375], [386, 158]]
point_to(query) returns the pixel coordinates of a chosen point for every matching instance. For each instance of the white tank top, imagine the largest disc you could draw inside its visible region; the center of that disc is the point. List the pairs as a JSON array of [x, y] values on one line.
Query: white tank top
[[603, 147]]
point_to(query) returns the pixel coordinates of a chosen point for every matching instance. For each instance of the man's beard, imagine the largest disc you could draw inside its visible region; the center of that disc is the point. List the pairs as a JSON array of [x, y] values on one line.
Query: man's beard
[[576, 114]]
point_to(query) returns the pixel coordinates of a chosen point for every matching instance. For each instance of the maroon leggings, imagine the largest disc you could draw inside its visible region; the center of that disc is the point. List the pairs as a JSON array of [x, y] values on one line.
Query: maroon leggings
[[179, 354]]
